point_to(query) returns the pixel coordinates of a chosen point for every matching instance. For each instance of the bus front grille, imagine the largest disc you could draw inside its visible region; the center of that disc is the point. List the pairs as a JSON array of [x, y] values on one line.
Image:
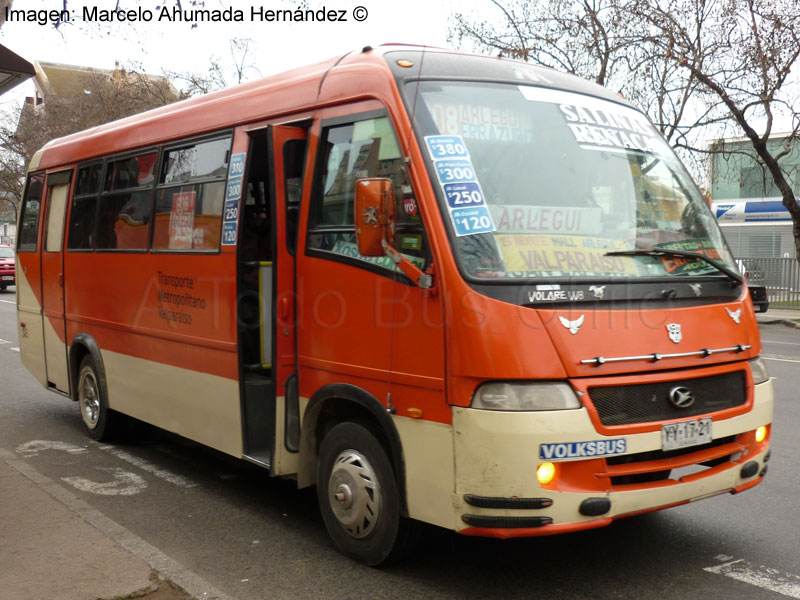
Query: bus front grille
[[647, 402]]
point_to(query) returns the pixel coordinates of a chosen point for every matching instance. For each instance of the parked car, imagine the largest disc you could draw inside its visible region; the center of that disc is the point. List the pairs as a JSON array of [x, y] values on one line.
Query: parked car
[[758, 293], [7, 277]]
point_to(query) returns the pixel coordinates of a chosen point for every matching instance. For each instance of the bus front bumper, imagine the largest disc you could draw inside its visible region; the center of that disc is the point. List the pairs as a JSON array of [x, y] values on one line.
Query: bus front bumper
[[497, 455]]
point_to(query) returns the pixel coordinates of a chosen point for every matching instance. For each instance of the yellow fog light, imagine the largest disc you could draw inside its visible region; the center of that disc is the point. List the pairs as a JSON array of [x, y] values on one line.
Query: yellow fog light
[[761, 434], [546, 473]]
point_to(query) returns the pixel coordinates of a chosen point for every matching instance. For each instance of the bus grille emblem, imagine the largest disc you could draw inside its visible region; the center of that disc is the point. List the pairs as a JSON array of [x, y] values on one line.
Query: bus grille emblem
[[681, 397], [674, 330]]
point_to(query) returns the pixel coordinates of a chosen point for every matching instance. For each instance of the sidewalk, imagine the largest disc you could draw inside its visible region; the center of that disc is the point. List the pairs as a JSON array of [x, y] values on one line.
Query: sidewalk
[[55, 546]]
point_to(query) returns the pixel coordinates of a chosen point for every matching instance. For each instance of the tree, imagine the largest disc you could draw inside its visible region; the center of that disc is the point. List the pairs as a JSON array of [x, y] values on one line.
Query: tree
[[599, 40], [584, 37], [741, 53], [221, 73], [699, 68], [106, 97]]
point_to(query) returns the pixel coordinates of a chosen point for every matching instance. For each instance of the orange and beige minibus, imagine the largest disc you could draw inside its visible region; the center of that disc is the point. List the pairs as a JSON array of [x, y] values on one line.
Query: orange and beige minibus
[[442, 288]]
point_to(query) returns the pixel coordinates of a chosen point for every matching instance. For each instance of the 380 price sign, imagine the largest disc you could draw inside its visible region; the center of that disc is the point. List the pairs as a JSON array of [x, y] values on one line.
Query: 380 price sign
[[446, 146]]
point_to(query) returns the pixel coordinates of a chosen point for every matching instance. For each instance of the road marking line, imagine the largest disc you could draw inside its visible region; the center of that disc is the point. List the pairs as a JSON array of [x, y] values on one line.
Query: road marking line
[[172, 478], [794, 360], [4, 342], [32, 448], [775, 342], [14, 349], [760, 576], [168, 567], [125, 483], [8, 301]]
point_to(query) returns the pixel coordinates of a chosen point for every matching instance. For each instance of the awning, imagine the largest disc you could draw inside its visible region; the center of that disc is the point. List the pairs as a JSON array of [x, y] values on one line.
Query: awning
[[13, 69]]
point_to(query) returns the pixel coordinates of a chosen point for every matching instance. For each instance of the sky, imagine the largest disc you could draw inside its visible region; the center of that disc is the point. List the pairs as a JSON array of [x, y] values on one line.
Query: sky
[[160, 44]]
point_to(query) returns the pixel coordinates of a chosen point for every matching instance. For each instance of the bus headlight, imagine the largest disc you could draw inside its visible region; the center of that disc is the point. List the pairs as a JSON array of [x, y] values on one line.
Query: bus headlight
[[499, 395], [759, 371]]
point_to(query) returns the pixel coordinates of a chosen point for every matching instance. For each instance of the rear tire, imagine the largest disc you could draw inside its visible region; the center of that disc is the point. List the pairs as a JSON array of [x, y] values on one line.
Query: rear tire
[[99, 421], [3, 287], [359, 499]]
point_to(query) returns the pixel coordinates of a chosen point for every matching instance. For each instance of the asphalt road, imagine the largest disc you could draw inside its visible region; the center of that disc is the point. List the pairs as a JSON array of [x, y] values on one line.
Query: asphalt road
[[255, 537]]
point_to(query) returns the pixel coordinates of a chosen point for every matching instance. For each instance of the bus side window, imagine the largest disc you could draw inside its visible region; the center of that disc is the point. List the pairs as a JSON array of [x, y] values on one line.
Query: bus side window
[[125, 206], [191, 195], [366, 148], [29, 219], [80, 235]]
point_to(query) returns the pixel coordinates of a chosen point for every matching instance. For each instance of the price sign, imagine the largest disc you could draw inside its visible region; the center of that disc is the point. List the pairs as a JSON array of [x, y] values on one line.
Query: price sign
[[460, 195], [457, 170], [229, 233], [446, 146], [233, 193], [456, 174], [469, 221]]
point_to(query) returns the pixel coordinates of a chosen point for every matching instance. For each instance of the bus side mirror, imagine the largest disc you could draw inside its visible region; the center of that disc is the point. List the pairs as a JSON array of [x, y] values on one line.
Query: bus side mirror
[[374, 212], [375, 221]]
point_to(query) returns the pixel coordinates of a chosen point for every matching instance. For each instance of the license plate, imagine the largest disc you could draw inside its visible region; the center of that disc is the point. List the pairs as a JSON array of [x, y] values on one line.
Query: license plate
[[686, 433], [7, 278]]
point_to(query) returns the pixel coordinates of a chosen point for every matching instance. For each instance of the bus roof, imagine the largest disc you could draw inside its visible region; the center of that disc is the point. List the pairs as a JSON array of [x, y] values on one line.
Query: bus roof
[[363, 74]]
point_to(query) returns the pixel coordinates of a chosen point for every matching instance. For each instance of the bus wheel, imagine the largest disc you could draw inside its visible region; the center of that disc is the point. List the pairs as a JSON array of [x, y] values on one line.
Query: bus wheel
[[95, 414], [358, 496]]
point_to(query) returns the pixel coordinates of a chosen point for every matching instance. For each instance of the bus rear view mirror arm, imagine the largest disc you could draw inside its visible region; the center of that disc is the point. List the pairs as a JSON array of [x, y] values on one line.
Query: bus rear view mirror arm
[[409, 269], [375, 221]]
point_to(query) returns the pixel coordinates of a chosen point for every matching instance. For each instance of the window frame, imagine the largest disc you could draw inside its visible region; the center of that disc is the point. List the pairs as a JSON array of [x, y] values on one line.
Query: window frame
[[164, 149], [315, 202], [23, 211], [103, 193], [160, 149], [56, 178], [95, 195]]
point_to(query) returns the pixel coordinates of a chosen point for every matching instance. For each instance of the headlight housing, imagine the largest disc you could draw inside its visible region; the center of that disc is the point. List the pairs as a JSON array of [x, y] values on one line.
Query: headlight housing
[[501, 395], [759, 370]]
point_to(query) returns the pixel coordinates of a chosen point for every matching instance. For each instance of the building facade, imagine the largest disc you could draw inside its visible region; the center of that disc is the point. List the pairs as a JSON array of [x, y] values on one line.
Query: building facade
[[746, 201], [8, 234]]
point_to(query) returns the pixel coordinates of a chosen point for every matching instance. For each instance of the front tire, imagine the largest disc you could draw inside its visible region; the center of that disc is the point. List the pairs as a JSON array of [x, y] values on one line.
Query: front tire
[[358, 497], [99, 421]]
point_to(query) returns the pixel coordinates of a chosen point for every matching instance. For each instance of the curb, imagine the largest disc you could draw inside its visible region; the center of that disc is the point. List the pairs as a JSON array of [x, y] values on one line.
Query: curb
[[166, 567], [786, 322]]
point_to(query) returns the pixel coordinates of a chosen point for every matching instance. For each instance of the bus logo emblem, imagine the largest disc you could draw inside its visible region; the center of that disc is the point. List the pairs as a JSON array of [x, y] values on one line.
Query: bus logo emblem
[[736, 315], [674, 330], [681, 397], [573, 326]]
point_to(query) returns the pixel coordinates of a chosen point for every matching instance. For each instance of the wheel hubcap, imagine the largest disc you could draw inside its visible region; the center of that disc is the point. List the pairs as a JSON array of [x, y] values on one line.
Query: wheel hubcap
[[354, 493], [89, 399]]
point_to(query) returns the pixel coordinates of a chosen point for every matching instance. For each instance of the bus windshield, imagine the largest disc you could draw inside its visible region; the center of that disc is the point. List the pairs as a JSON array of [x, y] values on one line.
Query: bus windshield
[[543, 183]]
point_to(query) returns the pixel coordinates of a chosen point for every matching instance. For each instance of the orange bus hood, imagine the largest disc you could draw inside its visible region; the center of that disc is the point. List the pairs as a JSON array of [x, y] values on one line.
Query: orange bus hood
[[594, 342]]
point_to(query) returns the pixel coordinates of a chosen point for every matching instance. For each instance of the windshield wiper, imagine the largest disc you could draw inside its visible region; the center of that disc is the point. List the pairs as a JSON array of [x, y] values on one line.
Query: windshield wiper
[[732, 275]]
